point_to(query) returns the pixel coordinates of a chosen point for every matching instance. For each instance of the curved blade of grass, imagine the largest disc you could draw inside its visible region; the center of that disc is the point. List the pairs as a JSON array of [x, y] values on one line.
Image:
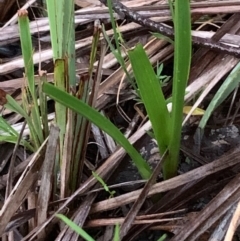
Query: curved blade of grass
[[75, 227], [171, 6], [96, 118], [27, 51], [161, 36], [117, 37], [14, 139], [115, 33], [117, 54], [14, 106], [151, 95], [7, 128], [182, 61], [223, 92]]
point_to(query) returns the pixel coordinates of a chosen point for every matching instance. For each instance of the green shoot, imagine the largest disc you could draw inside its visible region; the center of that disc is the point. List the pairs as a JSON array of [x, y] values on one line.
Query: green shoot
[[105, 186]]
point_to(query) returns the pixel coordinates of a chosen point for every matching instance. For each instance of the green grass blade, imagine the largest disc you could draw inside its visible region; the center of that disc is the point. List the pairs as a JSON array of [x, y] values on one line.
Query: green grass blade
[[115, 33], [163, 237], [118, 56], [7, 128], [61, 111], [182, 60], [163, 37], [14, 140], [43, 105], [55, 15], [117, 52], [226, 88], [92, 115], [104, 185], [116, 233], [14, 106], [27, 49], [69, 40], [171, 6], [61, 20], [75, 227], [151, 95]]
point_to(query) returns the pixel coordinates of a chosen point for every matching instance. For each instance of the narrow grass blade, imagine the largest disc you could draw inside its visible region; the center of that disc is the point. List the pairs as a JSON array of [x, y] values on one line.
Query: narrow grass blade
[[171, 6], [61, 111], [117, 36], [75, 227], [14, 139], [182, 60], [14, 106], [115, 33], [163, 237], [223, 92], [6, 128], [160, 36], [92, 115], [55, 15], [27, 51], [116, 233], [43, 105], [61, 20], [151, 95]]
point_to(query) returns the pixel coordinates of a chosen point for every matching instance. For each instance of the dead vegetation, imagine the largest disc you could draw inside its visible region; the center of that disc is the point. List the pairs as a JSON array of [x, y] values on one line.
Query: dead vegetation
[[200, 204]]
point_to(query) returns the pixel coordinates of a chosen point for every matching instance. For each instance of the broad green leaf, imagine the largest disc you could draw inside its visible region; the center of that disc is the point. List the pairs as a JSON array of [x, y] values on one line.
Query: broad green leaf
[[151, 95]]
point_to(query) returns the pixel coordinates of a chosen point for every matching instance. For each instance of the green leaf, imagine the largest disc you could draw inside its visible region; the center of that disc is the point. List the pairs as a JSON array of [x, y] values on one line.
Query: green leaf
[[116, 233], [163, 37], [27, 49], [75, 227], [105, 186], [103, 123], [7, 128], [151, 95], [14, 139], [231, 82], [182, 61]]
